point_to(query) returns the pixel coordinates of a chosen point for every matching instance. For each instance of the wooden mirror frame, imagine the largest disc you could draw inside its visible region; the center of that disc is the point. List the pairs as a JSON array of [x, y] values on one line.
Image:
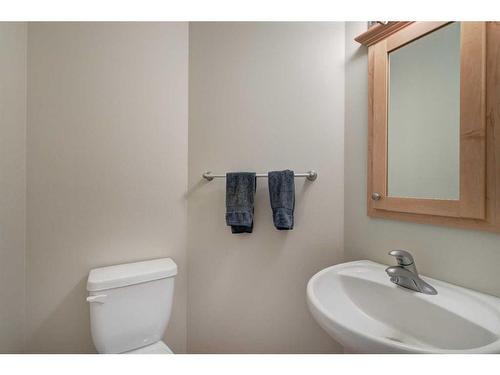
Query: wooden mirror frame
[[479, 138]]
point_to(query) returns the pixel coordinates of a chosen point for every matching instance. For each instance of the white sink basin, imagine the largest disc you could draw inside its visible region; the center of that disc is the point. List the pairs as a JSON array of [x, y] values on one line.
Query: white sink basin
[[361, 309]]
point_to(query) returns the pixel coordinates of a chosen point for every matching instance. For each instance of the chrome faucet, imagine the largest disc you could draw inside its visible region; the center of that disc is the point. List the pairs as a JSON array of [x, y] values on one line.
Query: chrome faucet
[[405, 273]]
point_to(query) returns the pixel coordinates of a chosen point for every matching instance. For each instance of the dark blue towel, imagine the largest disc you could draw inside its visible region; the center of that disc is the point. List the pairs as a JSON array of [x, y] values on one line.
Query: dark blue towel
[[282, 196], [240, 192]]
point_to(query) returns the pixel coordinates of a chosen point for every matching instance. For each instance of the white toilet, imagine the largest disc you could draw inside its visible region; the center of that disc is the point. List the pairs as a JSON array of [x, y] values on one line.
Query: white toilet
[[130, 305]]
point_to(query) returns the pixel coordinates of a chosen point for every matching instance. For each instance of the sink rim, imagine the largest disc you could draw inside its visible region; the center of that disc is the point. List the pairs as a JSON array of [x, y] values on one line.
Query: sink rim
[[324, 316]]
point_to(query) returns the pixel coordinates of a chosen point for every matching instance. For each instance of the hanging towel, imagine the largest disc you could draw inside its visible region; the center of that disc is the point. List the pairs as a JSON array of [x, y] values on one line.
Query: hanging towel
[[282, 196], [240, 192]]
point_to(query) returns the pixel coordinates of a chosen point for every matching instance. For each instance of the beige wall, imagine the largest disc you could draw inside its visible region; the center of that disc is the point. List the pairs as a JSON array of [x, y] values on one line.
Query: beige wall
[[263, 96], [12, 184], [107, 167], [462, 257]]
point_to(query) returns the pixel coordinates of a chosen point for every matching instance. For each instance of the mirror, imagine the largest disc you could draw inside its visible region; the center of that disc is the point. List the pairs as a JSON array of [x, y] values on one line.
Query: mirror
[[423, 118]]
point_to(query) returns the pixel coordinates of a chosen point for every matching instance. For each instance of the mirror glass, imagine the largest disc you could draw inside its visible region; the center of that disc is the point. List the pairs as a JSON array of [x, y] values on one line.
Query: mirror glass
[[424, 117]]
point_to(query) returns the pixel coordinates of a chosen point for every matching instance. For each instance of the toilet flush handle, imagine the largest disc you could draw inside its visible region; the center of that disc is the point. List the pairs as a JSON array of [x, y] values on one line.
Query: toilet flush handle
[[99, 298]]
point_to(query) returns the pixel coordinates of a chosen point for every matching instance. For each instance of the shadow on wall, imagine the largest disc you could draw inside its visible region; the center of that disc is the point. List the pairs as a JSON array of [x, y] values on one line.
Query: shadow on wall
[[48, 338]]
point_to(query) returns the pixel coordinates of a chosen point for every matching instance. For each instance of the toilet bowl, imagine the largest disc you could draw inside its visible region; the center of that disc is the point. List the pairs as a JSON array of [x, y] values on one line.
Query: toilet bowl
[[130, 306]]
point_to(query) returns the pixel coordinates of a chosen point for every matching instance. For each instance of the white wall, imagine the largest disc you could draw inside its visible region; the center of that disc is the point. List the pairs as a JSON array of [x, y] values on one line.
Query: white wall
[[462, 257], [12, 184], [263, 96], [107, 167]]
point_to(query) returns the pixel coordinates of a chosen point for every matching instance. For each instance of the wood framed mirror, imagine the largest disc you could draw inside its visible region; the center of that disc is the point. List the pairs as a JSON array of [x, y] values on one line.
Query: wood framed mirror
[[434, 96]]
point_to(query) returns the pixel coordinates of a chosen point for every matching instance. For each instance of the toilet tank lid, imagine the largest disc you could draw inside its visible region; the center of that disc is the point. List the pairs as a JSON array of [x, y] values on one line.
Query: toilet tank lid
[[130, 273]]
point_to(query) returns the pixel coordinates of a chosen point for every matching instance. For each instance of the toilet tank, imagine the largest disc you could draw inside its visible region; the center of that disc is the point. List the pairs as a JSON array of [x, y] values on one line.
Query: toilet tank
[[130, 304]]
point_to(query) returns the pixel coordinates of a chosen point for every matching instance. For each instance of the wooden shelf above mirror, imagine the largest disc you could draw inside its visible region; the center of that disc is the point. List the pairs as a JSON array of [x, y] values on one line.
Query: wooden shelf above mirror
[[380, 31]]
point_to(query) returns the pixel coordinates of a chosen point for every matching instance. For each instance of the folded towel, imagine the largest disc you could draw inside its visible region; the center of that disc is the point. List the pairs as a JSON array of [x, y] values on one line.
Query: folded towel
[[240, 191], [282, 195]]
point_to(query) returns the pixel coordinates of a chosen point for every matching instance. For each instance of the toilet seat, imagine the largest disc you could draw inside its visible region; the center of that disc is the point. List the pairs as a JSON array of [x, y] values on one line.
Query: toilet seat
[[157, 348]]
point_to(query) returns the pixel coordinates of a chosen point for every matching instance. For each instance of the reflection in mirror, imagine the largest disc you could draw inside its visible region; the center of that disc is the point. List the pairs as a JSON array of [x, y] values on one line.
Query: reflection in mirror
[[424, 117]]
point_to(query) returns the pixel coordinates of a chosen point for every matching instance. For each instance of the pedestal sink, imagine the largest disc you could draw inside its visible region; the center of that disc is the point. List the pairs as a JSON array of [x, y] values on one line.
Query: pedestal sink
[[360, 308]]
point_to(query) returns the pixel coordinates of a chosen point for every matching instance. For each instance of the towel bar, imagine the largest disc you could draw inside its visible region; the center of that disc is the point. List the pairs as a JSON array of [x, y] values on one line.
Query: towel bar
[[311, 175]]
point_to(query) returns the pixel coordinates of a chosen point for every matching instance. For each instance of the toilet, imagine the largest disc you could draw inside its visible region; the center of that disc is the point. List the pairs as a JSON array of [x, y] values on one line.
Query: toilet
[[130, 306]]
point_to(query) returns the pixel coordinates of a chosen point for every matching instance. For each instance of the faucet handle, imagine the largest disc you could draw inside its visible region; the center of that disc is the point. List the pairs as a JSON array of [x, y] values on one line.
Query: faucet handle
[[404, 258]]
